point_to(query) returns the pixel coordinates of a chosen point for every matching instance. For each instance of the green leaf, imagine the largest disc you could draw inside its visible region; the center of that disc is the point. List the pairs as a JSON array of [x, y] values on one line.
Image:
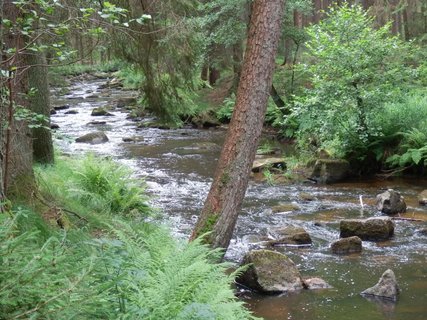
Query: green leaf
[[416, 155]]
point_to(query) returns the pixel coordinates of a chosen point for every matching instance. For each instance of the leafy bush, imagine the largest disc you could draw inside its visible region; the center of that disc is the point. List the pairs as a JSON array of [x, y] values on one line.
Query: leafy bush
[[357, 69]]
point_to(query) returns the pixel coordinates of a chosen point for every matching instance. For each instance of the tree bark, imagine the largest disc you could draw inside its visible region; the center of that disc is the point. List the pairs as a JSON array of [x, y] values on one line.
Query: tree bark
[[40, 104], [17, 149], [221, 209]]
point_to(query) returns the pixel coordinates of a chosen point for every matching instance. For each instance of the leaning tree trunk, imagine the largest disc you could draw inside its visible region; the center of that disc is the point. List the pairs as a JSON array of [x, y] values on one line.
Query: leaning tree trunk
[[225, 197], [40, 104], [17, 148]]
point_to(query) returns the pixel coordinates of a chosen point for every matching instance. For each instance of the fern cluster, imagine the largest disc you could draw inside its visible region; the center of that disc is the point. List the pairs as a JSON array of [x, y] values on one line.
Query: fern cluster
[[94, 185], [140, 273]]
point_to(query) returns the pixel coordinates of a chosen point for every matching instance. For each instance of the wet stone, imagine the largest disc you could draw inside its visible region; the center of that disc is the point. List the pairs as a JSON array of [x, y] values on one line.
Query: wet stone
[[288, 235], [63, 107], [386, 287], [71, 112], [330, 170], [270, 272], [268, 163], [390, 202], [54, 126], [316, 284], [100, 112], [422, 198], [96, 123], [285, 207], [347, 245], [93, 138], [371, 229]]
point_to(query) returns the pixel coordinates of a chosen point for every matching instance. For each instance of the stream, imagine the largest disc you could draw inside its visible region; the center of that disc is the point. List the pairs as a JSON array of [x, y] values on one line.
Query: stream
[[178, 165]]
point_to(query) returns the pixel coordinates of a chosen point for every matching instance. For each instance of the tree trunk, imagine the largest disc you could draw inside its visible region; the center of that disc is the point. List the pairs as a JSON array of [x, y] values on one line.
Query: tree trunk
[[40, 104], [225, 197], [17, 149]]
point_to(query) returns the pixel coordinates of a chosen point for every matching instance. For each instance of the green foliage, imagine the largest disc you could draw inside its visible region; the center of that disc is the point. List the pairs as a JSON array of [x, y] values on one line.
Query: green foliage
[[76, 69], [356, 70], [169, 280], [94, 184], [141, 272], [225, 112], [47, 279]]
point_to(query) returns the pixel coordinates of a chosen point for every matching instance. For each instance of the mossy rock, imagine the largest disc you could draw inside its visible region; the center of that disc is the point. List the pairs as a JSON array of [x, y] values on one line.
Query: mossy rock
[[270, 272], [268, 163], [93, 138], [347, 245], [372, 229], [422, 198], [289, 235], [330, 170], [100, 112]]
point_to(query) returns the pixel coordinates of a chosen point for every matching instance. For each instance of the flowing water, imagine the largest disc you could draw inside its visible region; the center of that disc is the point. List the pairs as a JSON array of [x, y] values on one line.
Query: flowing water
[[178, 165]]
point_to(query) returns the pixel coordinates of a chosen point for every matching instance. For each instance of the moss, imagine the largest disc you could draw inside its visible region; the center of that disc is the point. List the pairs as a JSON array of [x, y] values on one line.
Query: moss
[[208, 227], [225, 179]]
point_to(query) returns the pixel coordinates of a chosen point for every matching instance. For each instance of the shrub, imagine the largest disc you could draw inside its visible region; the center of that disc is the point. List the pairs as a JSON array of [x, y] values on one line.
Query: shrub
[[357, 69]]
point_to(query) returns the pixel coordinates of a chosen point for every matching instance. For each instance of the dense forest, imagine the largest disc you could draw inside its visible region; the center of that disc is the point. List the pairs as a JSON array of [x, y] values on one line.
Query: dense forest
[[299, 92]]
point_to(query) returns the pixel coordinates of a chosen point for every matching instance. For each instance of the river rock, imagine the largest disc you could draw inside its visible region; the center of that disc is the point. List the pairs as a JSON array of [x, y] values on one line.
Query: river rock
[[63, 107], [96, 123], [285, 207], [304, 196], [113, 83], [100, 112], [54, 126], [422, 198], [93, 138], [133, 139], [390, 202], [386, 287], [125, 102], [267, 163], [73, 111], [371, 229], [347, 245], [204, 120], [316, 284], [422, 232], [288, 235], [330, 170], [53, 111], [270, 272]]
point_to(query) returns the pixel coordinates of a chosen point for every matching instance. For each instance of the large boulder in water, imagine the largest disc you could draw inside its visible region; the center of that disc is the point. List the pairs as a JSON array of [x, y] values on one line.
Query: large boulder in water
[[270, 272], [347, 245], [93, 138], [391, 202], [372, 229], [422, 198], [386, 287], [330, 170]]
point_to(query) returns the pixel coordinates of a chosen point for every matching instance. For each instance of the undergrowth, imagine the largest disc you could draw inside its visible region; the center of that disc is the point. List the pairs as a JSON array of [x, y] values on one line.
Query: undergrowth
[[131, 270]]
